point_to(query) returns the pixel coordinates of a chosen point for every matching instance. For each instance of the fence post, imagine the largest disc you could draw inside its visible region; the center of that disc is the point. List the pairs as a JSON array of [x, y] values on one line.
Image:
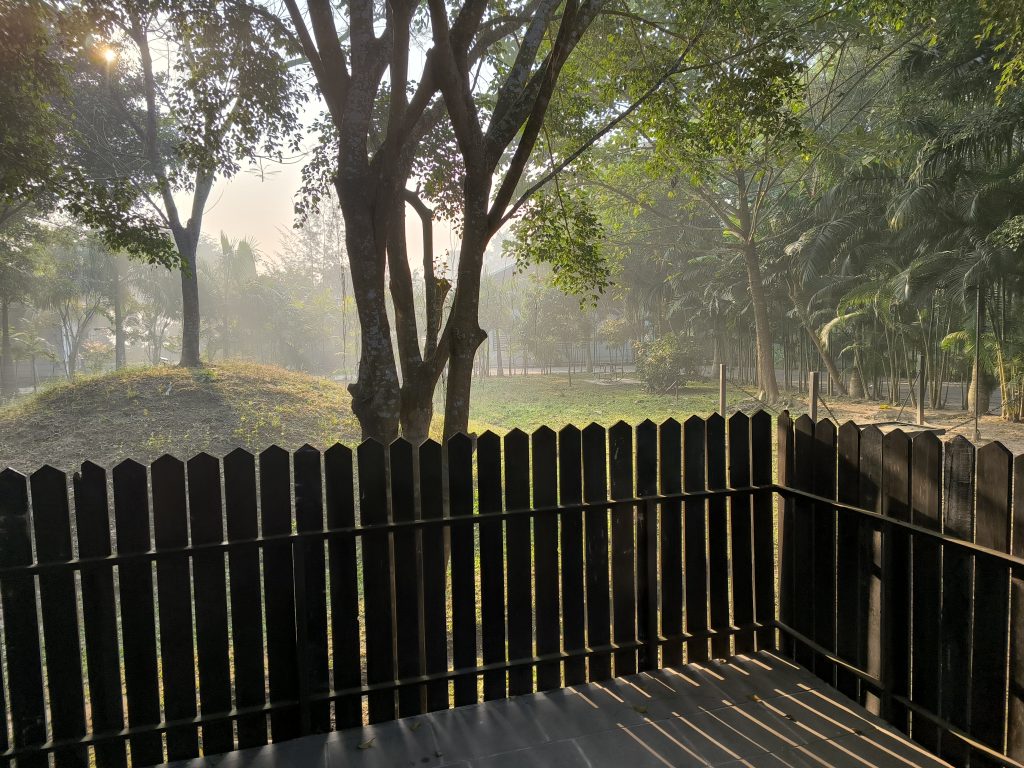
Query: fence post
[[721, 388], [812, 395]]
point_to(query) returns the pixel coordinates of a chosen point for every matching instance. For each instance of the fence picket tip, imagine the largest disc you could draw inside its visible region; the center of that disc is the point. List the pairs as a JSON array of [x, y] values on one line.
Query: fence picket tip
[[238, 453]]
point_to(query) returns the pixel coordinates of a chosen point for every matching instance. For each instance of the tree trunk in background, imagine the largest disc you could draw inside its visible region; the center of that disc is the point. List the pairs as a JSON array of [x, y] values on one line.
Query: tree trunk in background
[[497, 352], [767, 385], [118, 297], [826, 358], [189, 309], [7, 388], [857, 389], [984, 394]]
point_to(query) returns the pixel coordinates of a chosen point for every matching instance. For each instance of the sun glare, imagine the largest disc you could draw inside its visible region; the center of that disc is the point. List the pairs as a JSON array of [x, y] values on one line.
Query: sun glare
[[109, 55]]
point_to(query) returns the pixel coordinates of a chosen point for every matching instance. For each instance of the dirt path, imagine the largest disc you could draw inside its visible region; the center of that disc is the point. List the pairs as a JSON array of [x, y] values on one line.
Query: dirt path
[[955, 422]]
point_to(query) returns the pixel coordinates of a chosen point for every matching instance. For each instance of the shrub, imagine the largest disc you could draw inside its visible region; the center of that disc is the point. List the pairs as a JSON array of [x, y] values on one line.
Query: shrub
[[668, 360]]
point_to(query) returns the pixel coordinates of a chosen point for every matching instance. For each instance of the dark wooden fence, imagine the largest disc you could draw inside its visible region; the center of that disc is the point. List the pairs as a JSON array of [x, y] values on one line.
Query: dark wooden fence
[[902, 580], [216, 605], [223, 604]]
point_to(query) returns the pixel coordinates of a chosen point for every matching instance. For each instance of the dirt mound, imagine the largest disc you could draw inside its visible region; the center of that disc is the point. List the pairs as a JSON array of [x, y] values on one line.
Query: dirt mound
[[142, 413]]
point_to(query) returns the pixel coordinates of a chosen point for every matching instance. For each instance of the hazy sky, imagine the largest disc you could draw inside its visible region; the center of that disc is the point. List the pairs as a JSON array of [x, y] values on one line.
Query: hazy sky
[[261, 207]]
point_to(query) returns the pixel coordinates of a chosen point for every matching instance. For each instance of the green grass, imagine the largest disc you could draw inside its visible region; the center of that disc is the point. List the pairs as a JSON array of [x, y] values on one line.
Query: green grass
[[141, 413], [527, 402]]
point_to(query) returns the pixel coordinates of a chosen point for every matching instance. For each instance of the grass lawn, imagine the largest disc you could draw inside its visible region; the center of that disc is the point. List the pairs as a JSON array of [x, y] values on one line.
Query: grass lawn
[[527, 402], [142, 413]]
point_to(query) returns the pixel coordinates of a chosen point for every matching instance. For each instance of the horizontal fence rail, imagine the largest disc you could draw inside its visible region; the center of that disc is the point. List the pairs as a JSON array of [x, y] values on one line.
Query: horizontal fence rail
[[912, 553], [159, 613]]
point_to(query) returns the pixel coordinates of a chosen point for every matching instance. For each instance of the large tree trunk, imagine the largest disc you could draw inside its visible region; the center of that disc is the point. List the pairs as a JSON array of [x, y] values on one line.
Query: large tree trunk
[[767, 385], [465, 333], [7, 387], [376, 394]]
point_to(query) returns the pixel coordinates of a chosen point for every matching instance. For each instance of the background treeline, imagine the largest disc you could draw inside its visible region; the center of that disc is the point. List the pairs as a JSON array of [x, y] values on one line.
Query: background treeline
[[866, 217], [74, 306]]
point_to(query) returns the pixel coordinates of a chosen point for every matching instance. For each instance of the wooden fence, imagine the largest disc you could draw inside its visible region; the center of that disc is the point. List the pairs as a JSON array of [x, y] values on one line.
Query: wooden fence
[[902, 580], [222, 604], [216, 605]]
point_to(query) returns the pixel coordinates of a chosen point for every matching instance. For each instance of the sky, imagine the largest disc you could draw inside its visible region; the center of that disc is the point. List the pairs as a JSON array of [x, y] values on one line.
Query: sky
[[259, 205]]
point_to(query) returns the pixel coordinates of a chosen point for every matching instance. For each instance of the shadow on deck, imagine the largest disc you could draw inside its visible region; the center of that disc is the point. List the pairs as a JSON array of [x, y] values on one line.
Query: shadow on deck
[[756, 710]]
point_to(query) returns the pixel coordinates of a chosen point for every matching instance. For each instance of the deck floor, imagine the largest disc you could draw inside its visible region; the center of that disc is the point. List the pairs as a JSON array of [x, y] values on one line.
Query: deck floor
[[757, 711]]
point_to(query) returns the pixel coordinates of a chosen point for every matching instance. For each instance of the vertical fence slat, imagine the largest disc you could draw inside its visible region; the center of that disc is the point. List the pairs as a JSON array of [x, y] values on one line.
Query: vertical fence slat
[[492, 566], [803, 538], [206, 516], [570, 477], [341, 552], [784, 456], [824, 524], [957, 587], [435, 629], [926, 511], [595, 489], [103, 658], [623, 517], [670, 459], [21, 629], [411, 698], [764, 528], [378, 602], [246, 597], [519, 561], [545, 494], [742, 530], [174, 599], [278, 591], [309, 517], [869, 628], [990, 642], [695, 539], [647, 545], [896, 460], [460, 500], [51, 523], [848, 583], [1015, 726], [135, 583], [718, 538]]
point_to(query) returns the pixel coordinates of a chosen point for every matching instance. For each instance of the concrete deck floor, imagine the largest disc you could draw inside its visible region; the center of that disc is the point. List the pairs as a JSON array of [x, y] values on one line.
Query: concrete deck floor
[[759, 711]]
